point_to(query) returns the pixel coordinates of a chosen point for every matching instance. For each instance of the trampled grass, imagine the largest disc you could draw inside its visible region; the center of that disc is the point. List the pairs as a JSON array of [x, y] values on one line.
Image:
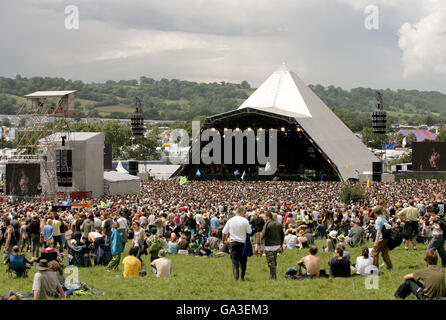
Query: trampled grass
[[196, 278]]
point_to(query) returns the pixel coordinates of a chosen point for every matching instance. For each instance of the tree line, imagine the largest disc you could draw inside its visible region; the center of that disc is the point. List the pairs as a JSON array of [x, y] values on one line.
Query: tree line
[[186, 100]]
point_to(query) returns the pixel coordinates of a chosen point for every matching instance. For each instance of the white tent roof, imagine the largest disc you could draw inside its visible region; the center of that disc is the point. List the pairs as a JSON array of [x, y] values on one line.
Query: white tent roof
[[286, 94], [120, 168], [114, 176], [47, 94]]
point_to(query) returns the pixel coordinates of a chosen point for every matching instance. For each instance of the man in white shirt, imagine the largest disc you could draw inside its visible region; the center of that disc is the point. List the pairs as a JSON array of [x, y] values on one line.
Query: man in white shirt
[[237, 227], [152, 219]]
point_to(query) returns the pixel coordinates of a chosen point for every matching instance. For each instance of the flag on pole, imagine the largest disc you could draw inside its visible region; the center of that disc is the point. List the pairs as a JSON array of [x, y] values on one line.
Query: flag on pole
[[236, 173], [346, 168], [305, 174], [183, 180], [198, 173], [404, 142], [368, 182], [243, 175]]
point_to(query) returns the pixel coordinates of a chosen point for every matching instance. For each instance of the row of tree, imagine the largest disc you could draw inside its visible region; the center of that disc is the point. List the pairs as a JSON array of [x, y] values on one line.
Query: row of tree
[[185, 100]]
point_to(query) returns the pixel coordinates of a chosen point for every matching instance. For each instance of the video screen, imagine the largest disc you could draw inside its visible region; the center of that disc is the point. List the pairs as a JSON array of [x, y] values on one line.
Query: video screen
[[22, 179], [429, 156]]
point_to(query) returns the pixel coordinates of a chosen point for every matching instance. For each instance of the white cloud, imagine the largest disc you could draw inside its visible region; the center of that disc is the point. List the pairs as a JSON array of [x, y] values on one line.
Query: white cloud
[[424, 43]]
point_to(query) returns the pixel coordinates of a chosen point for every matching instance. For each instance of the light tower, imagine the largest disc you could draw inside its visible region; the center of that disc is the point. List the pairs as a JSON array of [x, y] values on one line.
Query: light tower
[[379, 123]]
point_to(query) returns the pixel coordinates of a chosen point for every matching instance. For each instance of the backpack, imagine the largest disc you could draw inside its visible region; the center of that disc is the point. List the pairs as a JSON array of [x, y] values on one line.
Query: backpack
[[291, 273], [395, 238]]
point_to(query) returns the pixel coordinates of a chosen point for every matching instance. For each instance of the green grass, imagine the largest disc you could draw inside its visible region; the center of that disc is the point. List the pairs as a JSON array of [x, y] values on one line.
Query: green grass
[[196, 278]]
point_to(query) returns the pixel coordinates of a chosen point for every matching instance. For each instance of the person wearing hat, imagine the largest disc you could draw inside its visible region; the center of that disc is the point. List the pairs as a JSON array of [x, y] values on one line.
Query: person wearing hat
[[45, 282], [331, 241]]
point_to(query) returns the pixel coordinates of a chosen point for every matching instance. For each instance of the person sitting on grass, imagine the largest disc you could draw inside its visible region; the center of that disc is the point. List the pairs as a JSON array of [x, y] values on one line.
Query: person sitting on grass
[[427, 283], [50, 253], [311, 262], [183, 245], [290, 241], [364, 263], [132, 265], [193, 245], [302, 240], [17, 262], [161, 267], [339, 264], [46, 284], [173, 244]]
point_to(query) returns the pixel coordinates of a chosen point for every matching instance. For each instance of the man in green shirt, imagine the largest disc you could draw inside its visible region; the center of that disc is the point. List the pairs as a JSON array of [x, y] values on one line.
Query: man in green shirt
[[410, 217], [427, 283], [273, 236]]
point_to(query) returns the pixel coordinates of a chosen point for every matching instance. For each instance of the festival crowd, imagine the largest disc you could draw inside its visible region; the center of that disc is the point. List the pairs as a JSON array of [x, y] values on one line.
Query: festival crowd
[[228, 218]]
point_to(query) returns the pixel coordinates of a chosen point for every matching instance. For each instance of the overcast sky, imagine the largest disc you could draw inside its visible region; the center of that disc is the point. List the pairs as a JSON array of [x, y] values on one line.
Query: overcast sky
[[323, 41]]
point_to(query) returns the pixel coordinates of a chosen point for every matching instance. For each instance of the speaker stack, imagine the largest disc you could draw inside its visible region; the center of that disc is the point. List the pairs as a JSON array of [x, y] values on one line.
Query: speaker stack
[[64, 167], [137, 122], [377, 170], [133, 168]]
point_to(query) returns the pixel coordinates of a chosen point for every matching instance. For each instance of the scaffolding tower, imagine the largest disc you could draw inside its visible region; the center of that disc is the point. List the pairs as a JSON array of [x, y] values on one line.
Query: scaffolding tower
[[48, 113]]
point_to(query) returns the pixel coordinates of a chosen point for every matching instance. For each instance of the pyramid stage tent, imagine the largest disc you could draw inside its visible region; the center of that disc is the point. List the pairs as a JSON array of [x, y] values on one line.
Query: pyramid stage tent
[[313, 143]]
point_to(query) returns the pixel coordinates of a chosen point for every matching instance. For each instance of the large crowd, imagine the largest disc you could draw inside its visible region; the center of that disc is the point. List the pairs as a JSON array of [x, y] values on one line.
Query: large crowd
[[220, 218]]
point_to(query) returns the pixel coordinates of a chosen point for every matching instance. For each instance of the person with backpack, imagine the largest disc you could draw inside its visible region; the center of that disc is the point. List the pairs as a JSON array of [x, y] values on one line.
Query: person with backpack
[[380, 244]]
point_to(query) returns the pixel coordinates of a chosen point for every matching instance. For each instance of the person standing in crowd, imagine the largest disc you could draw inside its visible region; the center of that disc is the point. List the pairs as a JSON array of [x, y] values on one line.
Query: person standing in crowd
[[87, 227], [257, 223], [34, 229], [439, 206], [115, 247], [56, 223], [122, 228], [106, 227], [380, 244], [428, 283], [272, 235], [237, 227], [437, 241], [48, 231], [410, 216]]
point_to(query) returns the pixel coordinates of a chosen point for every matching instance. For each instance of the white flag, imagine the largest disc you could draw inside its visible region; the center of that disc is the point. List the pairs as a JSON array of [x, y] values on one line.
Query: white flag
[[243, 175], [404, 142]]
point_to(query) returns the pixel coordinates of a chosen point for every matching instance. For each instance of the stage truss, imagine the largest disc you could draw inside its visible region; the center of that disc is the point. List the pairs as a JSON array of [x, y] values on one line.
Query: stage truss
[[43, 117]]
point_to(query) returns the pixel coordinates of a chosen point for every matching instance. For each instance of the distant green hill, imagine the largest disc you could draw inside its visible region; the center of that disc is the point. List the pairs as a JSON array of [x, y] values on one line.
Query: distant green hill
[[185, 100]]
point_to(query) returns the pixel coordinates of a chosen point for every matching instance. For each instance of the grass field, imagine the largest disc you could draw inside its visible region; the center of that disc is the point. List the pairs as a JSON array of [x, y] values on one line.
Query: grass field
[[196, 278]]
